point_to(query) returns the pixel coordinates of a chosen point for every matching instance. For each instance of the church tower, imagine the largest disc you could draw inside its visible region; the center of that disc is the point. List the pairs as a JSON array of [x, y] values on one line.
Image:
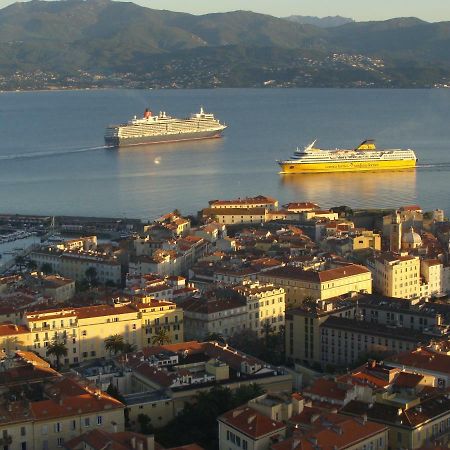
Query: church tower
[[396, 233]]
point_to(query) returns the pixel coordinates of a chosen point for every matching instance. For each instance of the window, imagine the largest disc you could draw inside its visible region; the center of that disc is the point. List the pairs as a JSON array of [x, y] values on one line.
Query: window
[[44, 429], [99, 420], [23, 431], [44, 445], [73, 425], [244, 444], [87, 421], [23, 446], [60, 441], [58, 427]]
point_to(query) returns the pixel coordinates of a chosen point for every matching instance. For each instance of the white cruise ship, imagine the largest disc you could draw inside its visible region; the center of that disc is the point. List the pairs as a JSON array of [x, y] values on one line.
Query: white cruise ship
[[153, 129]]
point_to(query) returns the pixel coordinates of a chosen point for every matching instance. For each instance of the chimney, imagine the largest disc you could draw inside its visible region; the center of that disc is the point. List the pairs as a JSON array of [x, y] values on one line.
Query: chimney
[[133, 442]]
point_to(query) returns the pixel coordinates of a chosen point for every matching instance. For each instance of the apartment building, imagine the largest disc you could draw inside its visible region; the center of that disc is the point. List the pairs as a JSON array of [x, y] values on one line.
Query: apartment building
[[302, 331], [302, 284], [422, 422], [43, 409], [265, 305], [396, 275], [84, 330], [250, 305], [74, 264], [260, 201], [285, 421], [343, 340], [206, 315]]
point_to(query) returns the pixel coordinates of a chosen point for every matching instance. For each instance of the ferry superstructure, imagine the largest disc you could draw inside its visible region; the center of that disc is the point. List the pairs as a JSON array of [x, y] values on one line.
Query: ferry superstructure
[[154, 129], [365, 157]]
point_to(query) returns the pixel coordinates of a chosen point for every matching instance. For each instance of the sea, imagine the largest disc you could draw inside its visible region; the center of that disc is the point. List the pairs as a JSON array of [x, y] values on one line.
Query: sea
[[53, 160]]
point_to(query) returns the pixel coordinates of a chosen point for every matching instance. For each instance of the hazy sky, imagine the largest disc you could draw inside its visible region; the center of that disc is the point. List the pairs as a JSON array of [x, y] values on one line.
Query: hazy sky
[[431, 10]]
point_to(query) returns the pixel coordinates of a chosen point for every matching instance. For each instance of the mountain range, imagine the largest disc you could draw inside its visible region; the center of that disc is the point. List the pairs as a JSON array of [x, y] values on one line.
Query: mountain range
[[110, 37]]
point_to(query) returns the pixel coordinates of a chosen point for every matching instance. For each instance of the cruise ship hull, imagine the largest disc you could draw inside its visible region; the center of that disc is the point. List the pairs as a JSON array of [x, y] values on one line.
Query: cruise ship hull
[[161, 138], [345, 166]]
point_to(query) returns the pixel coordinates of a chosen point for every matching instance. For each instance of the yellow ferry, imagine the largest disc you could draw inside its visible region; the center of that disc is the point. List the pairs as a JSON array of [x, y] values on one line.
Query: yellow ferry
[[365, 157]]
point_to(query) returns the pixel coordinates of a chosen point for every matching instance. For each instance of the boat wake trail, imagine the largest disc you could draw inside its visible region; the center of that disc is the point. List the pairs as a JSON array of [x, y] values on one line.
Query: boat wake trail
[[434, 165], [34, 155]]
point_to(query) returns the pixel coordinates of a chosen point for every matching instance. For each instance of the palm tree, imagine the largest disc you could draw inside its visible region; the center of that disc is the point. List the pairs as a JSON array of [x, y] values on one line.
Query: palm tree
[[58, 350], [114, 344], [161, 337], [129, 348]]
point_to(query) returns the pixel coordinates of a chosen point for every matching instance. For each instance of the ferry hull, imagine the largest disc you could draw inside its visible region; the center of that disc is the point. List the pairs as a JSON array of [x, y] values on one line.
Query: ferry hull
[[345, 166], [160, 139]]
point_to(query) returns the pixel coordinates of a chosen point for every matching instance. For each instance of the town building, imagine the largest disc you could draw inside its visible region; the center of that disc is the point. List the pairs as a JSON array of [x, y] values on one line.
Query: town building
[[158, 381], [44, 410], [206, 315], [302, 331], [318, 285], [265, 306], [259, 201], [74, 264], [413, 421], [396, 275], [84, 329]]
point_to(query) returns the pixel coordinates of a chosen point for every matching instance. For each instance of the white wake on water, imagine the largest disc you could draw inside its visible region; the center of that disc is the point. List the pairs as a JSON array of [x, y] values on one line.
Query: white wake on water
[[52, 153]]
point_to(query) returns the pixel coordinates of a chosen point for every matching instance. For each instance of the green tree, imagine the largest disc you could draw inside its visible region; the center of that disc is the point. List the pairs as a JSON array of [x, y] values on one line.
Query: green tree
[[245, 393], [20, 262], [129, 348], [91, 276], [57, 349], [145, 425], [31, 265], [113, 391], [47, 268], [161, 337], [11, 344], [114, 344]]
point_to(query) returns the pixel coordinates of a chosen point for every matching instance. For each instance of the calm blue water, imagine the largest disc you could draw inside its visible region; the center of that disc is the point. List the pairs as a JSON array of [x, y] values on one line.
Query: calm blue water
[[52, 159]]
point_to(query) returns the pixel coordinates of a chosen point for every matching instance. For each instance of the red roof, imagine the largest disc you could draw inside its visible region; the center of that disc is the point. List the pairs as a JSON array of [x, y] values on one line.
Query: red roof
[[251, 422]]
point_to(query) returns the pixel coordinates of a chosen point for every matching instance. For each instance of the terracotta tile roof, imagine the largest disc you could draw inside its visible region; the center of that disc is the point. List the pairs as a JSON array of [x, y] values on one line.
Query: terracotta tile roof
[[69, 398], [428, 409], [235, 211], [408, 380], [10, 329], [251, 422], [333, 431], [422, 358], [211, 306], [100, 440], [327, 389], [290, 272], [187, 447], [244, 201]]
